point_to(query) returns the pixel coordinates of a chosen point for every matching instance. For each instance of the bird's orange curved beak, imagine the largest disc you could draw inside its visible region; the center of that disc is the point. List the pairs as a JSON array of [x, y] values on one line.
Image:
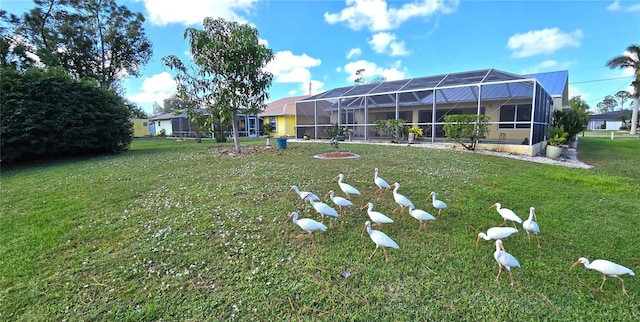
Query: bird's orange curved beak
[[289, 217], [578, 262], [364, 207], [363, 229], [534, 215], [290, 189], [328, 194], [336, 177], [492, 206], [477, 241], [502, 247]]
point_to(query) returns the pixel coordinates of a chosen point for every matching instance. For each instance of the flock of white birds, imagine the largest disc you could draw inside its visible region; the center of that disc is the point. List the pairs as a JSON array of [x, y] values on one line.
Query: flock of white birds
[[504, 259]]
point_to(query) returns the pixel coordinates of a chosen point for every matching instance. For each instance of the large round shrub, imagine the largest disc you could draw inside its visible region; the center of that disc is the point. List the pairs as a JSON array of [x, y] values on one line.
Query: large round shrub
[[46, 113]]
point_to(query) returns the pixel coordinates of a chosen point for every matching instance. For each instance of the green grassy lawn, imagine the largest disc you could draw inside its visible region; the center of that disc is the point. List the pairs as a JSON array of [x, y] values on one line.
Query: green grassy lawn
[[177, 231]]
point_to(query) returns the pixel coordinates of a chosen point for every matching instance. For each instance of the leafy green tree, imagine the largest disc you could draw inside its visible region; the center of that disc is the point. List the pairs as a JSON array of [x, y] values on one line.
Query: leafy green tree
[[608, 104], [232, 57], [622, 97], [135, 110], [632, 60], [466, 129], [578, 103], [94, 39]]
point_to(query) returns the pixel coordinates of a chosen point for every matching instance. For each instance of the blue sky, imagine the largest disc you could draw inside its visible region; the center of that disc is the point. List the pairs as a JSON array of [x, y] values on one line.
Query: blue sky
[[325, 42]]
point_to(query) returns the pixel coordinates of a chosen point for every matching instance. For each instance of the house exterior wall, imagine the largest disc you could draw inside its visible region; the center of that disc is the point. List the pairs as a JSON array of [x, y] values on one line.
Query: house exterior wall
[[163, 124], [286, 125], [594, 125], [140, 128]]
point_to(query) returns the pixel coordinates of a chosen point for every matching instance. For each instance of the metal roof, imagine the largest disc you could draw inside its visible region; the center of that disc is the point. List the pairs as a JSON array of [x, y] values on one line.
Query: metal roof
[[449, 88], [553, 82]]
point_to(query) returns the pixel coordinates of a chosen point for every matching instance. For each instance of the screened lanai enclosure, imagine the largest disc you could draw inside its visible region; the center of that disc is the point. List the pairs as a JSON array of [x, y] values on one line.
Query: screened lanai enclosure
[[518, 106]]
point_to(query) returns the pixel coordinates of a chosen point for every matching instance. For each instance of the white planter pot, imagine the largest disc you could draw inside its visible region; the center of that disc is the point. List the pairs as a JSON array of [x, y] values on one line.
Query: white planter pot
[[554, 152]]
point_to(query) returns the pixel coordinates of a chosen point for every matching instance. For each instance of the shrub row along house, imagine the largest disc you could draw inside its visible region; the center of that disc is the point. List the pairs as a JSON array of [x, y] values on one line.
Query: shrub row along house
[[519, 106]]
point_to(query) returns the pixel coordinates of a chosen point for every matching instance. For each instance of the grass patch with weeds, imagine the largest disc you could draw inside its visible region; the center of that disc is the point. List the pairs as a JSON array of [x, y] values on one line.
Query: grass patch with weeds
[[179, 230]]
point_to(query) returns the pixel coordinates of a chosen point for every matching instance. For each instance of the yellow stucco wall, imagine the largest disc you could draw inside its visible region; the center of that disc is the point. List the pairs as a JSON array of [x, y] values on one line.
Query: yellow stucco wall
[[285, 125], [140, 128]]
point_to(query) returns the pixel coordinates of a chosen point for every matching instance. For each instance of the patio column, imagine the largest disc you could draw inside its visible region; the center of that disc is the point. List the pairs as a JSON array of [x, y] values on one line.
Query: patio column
[[533, 111], [433, 116]]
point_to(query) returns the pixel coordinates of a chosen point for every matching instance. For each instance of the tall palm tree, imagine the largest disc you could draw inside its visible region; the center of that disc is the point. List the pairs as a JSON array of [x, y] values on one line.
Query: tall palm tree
[[631, 60]]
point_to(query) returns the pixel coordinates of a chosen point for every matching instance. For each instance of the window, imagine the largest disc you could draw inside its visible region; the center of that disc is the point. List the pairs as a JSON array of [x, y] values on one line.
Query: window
[[515, 113], [274, 124]]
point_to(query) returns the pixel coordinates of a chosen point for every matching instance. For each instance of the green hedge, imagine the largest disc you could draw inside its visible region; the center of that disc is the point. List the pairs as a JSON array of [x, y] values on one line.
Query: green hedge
[[48, 114]]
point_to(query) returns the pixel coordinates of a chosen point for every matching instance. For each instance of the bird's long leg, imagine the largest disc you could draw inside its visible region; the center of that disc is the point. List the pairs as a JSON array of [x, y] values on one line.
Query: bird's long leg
[[529, 237], [514, 224], [374, 252], [386, 259], [313, 242], [538, 239], [511, 278], [439, 212], [499, 271], [624, 290], [604, 279]]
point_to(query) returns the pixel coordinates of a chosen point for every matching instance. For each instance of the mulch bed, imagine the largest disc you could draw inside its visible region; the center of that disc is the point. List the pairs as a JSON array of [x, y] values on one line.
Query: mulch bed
[[336, 155]]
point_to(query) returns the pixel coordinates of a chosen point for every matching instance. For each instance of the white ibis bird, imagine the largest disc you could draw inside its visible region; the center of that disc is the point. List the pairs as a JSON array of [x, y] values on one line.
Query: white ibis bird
[[324, 210], [421, 215], [496, 233], [307, 224], [339, 201], [437, 203], [346, 188], [381, 240], [505, 260], [381, 183], [607, 268], [377, 217], [401, 200], [303, 194], [531, 226], [507, 214]]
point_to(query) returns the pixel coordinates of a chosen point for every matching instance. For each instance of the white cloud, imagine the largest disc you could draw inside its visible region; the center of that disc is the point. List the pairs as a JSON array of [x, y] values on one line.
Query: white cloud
[[354, 53], [384, 42], [371, 70], [376, 15], [289, 68], [545, 41], [155, 89], [547, 65], [615, 6], [189, 12]]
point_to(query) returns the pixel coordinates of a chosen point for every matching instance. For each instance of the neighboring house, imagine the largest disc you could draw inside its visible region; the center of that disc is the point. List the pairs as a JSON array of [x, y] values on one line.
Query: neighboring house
[[177, 124], [610, 120], [519, 106], [163, 122], [140, 127], [281, 114]]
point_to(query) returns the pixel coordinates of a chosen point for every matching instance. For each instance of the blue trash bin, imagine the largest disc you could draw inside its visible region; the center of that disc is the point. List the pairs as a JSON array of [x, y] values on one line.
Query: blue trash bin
[[281, 143]]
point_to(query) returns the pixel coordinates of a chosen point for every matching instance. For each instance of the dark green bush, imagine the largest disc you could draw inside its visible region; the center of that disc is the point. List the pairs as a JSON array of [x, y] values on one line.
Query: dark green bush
[[48, 114]]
